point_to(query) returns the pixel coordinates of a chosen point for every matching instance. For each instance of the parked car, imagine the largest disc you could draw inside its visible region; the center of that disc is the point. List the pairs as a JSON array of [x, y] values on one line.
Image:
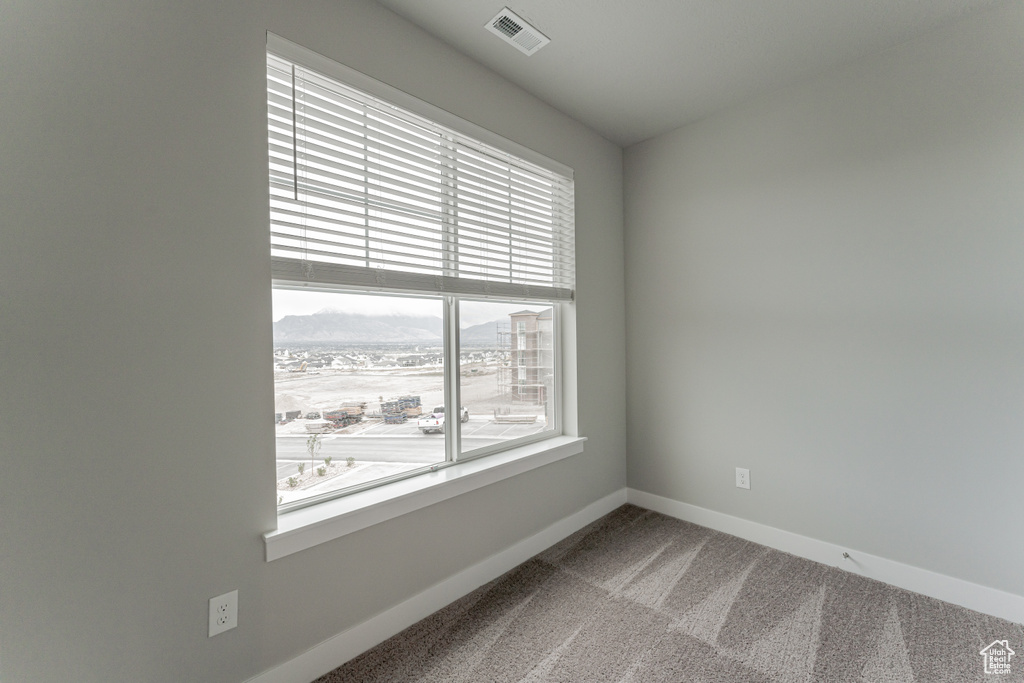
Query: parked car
[[434, 422]]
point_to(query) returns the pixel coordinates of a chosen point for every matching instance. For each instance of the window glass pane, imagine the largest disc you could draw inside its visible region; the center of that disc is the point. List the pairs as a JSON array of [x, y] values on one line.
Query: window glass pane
[[506, 371], [352, 374]]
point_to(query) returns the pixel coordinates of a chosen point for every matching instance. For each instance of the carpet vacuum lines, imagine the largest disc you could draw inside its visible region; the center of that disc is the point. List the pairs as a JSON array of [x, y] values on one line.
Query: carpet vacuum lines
[[640, 597]]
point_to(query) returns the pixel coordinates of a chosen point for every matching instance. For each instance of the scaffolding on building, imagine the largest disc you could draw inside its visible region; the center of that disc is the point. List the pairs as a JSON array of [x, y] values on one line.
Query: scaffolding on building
[[525, 370]]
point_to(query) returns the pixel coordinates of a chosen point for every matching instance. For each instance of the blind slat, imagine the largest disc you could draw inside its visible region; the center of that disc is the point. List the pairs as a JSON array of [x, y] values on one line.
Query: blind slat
[[357, 227], [363, 193], [391, 222]]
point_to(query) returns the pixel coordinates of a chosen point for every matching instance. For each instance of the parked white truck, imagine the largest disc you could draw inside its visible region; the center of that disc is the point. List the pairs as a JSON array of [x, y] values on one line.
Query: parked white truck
[[434, 422]]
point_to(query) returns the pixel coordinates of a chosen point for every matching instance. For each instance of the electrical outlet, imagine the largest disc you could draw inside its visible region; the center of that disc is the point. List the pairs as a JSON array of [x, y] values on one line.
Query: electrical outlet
[[223, 613], [742, 478]]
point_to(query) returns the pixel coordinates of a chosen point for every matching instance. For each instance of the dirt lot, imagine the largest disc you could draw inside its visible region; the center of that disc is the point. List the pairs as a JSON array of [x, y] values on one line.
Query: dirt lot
[[330, 388]]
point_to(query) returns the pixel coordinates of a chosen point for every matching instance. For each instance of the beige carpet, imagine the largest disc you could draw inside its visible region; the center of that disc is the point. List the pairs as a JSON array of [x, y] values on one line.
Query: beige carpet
[[638, 597]]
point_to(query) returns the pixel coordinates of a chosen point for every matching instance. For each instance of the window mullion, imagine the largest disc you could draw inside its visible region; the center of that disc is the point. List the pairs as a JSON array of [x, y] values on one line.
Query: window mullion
[[448, 167], [367, 203], [452, 398], [295, 140], [452, 406]]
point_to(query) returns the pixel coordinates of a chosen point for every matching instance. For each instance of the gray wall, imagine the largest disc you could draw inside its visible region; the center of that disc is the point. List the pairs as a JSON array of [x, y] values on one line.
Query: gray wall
[[826, 286], [135, 380]]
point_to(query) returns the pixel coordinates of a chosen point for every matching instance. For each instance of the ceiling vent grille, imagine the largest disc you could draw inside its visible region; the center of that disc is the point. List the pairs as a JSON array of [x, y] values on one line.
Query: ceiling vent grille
[[515, 31]]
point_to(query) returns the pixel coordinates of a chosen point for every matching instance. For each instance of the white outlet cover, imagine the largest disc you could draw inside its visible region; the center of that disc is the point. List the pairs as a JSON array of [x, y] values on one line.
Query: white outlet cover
[[223, 613], [742, 478]]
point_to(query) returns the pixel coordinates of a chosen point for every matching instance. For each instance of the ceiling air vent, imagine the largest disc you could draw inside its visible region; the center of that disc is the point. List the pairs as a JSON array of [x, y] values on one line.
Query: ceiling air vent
[[513, 30]]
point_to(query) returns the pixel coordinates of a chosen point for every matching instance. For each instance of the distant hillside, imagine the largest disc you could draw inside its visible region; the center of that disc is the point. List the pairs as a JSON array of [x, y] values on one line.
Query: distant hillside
[[484, 334], [335, 326], [332, 326]]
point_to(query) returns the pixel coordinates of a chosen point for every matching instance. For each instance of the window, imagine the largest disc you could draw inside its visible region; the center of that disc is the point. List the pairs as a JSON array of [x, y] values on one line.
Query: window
[[414, 262]]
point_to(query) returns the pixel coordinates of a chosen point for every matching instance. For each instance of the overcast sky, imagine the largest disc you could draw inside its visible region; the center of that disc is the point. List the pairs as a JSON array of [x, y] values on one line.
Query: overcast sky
[[296, 302]]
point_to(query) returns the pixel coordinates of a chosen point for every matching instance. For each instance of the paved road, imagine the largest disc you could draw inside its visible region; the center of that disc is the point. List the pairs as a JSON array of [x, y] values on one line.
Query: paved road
[[392, 443]]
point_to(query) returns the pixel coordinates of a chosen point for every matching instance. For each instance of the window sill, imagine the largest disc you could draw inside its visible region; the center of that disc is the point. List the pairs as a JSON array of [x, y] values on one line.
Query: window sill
[[311, 526]]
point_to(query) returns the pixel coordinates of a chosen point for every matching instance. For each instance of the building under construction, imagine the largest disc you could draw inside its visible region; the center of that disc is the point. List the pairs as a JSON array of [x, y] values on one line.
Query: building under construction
[[528, 377]]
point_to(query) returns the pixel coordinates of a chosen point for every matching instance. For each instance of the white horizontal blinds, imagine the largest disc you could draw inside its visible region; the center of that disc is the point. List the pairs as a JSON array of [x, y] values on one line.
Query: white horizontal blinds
[[364, 193]]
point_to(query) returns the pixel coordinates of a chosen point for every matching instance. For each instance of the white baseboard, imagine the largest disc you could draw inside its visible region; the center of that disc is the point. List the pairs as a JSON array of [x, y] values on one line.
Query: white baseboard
[[957, 591], [337, 650]]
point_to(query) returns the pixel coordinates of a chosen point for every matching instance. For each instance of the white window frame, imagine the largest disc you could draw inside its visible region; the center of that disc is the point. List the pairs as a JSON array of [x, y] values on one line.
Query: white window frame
[[322, 519]]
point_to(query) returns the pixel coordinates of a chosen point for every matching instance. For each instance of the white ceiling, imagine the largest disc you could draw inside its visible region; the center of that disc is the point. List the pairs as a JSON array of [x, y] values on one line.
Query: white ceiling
[[632, 69]]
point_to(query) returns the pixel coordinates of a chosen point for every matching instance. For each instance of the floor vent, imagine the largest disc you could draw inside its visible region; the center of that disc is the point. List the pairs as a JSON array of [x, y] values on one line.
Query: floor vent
[[515, 31]]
